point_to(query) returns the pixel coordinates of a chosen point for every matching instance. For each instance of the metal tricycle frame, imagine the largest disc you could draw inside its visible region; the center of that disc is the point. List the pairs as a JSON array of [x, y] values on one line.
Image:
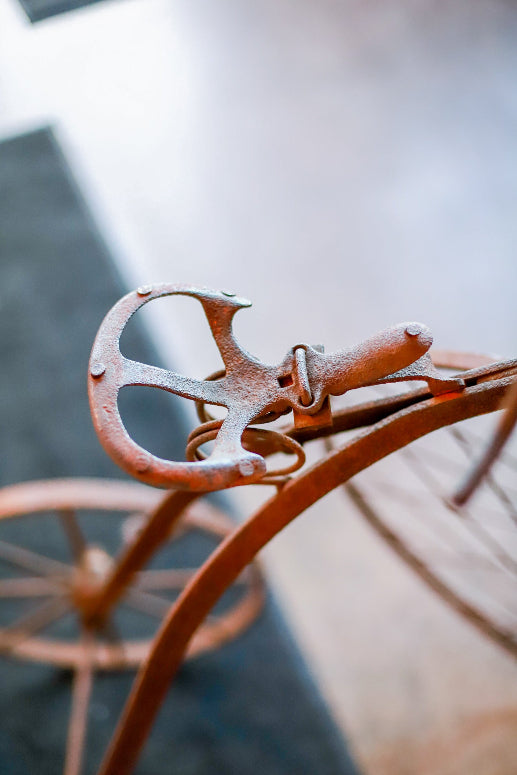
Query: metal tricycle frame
[[254, 394], [257, 393]]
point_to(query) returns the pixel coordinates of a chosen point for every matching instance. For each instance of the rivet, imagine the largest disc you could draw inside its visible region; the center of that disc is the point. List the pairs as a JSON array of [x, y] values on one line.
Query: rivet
[[97, 369], [228, 293], [246, 467], [414, 329], [144, 290], [142, 463]]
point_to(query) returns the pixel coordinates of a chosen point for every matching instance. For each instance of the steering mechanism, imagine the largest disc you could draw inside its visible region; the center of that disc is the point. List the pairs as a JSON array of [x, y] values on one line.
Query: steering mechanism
[[251, 390]]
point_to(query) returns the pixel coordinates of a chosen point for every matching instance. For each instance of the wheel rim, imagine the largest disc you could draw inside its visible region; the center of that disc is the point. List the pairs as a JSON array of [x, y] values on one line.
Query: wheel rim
[[50, 580], [467, 556]]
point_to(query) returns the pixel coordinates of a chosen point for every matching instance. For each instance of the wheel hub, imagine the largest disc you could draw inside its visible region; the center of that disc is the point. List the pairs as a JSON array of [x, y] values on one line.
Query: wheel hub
[[93, 569]]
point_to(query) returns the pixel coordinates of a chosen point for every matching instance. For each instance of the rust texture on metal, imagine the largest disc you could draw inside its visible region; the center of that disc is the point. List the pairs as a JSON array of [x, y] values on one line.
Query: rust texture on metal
[[249, 389], [238, 550], [494, 448], [93, 582], [256, 393]]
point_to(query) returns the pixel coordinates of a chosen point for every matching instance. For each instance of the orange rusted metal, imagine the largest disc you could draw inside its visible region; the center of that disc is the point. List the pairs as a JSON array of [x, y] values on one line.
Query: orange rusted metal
[[249, 389], [93, 583], [239, 549], [256, 393]]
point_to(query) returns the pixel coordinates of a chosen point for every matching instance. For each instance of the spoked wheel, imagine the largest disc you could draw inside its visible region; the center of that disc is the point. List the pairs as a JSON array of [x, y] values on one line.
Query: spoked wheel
[[60, 538], [468, 555]]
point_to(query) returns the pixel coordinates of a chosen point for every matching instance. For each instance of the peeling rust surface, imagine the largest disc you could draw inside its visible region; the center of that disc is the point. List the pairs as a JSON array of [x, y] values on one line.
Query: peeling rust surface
[[250, 389]]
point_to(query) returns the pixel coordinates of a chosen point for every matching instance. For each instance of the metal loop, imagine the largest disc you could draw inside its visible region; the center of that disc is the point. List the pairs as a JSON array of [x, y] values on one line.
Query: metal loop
[[262, 441]]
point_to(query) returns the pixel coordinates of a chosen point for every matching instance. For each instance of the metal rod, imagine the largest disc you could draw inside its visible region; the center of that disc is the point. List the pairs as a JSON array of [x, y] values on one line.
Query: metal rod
[[29, 560], [506, 640], [155, 531], [34, 621], [152, 605], [28, 587], [502, 433], [172, 578], [73, 532], [81, 692], [475, 528]]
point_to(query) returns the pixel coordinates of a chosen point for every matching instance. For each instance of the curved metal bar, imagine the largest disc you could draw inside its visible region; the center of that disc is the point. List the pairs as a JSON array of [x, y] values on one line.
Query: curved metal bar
[[264, 441], [232, 556], [110, 371], [86, 493], [154, 533], [411, 558]]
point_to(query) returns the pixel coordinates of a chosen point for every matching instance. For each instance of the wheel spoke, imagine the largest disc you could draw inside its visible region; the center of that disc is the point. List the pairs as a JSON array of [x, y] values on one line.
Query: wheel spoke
[[28, 587], [112, 635], [172, 578], [73, 532], [29, 560], [149, 604], [34, 621], [496, 488], [458, 602], [81, 692], [456, 559], [476, 529]]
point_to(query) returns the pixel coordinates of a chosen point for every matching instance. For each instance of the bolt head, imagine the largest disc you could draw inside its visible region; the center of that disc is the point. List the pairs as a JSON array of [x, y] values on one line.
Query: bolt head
[[142, 462], [413, 329], [246, 467], [144, 290], [97, 369]]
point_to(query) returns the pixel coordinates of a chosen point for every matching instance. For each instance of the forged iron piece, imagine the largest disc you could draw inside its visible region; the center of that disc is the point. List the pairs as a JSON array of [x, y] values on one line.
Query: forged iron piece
[[249, 389], [262, 441]]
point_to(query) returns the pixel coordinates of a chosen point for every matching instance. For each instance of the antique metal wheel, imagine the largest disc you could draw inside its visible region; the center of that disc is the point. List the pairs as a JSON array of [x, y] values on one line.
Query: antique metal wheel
[[59, 539], [468, 554]]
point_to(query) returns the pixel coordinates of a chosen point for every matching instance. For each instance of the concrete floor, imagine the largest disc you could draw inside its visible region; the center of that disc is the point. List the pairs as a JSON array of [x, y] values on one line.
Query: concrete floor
[[346, 166]]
